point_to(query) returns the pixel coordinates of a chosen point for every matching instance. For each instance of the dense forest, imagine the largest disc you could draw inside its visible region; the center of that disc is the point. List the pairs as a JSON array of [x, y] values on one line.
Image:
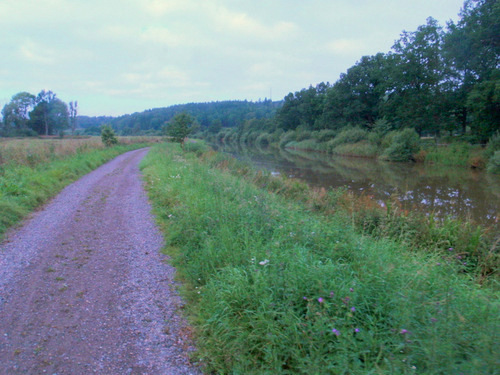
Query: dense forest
[[211, 117]]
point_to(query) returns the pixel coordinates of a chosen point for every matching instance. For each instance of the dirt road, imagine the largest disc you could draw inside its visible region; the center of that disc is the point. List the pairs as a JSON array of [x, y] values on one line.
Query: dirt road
[[83, 288]]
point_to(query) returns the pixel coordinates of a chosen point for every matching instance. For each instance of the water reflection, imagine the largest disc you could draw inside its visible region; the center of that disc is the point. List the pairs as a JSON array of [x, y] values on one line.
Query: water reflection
[[458, 192]]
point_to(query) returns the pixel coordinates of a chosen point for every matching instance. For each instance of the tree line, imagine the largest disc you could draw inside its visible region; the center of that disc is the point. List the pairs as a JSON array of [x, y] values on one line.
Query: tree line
[[207, 117], [435, 80], [43, 114]]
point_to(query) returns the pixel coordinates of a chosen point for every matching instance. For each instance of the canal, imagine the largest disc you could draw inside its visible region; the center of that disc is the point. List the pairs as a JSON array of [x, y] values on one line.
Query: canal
[[464, 193]]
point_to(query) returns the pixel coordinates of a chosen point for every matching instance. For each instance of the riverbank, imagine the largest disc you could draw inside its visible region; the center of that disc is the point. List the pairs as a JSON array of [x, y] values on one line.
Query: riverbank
[[281, 283], [398, 146]]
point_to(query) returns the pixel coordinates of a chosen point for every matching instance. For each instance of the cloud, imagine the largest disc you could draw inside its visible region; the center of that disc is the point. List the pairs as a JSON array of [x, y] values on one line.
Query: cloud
[[37, 53], [346, 47]]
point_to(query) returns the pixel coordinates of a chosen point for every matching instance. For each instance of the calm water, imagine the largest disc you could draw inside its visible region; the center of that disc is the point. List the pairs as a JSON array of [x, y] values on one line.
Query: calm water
[[440, 191]]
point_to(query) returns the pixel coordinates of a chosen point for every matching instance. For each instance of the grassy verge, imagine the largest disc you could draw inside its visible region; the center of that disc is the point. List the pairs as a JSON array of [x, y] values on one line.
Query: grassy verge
[[277, 288], [26, 183]]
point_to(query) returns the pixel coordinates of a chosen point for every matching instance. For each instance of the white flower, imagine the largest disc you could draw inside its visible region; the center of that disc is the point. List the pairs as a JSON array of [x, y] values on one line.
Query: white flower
[[264, 262]]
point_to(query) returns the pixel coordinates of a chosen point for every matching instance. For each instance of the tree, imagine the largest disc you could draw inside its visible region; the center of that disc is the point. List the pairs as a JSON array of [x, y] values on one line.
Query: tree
[[179, 128], [415, 89], [16, 113], [472, 51], [108, 136], [50, 114], [73, 113]]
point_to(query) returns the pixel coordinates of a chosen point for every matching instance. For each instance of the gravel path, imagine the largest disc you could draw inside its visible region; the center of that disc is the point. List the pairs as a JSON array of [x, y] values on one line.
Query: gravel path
[[83, 288]]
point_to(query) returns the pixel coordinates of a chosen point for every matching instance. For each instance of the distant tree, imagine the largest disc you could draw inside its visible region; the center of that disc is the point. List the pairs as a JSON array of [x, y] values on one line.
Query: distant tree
[[16, 113], [108, 136], [50, 115], [179, 128], [73, 113]]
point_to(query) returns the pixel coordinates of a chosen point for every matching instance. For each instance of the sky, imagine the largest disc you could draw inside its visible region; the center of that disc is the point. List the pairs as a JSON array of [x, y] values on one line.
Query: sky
[[122, 56]]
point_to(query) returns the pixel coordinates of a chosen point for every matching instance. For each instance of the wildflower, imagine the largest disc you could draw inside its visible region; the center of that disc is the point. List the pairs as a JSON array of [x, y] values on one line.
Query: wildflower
[[332, 294], [403, 332], [304, 298], [351, 290], [336, 332], [264, 262], [450, 249], [438, 264], [321, 300], [353, 309], [356, 330]]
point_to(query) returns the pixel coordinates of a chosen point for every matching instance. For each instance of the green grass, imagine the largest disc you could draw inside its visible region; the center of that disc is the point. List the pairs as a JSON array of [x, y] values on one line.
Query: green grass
[[274, 288], [24, 187]]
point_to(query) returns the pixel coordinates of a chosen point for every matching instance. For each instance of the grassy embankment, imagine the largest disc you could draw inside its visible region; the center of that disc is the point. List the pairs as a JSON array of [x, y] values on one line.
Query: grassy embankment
[[277, 284], [404, 145], [34, 170]]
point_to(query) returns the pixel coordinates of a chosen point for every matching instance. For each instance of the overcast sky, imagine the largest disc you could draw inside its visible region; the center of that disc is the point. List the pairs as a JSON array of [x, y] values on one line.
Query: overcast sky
[[124, 56]]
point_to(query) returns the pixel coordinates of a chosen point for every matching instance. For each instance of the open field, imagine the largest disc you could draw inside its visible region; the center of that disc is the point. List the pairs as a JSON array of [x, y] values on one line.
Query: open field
[[32, 151], [34, 170], [277, 287]]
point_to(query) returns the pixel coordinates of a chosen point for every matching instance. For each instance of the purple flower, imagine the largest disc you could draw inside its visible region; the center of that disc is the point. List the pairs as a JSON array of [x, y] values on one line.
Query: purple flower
[[336, 332], [450, 249], [321, 300], [351, 289], [403, 331], [356, 330], [438, 264], [304, 298], [332, 294], [353, 309]]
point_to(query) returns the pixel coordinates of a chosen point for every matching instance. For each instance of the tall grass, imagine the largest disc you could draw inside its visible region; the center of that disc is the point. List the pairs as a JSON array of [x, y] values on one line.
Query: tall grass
[[32, 171], [275, 288], [31, 151]]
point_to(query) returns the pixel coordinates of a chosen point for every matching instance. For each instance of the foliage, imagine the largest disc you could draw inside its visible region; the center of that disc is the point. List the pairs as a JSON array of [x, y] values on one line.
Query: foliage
[[275, 288], [108, 136], [179, 128], [404, 145], [349, 136], [494, 163]]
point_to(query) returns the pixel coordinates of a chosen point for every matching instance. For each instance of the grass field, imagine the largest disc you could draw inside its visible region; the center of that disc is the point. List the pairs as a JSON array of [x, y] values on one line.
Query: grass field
[[276, 287], [34, 170]]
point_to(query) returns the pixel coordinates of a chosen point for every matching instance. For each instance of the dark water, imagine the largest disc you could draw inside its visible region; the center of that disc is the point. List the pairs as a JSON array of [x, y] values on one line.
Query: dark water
[[439, 191]]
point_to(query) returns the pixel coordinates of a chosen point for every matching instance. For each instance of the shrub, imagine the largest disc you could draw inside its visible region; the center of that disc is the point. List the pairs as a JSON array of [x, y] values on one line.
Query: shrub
[[404, 145], [494, 163], [325, 135], [108, 136], [349, 135], [263, 139], [493, 145], [286, 138]]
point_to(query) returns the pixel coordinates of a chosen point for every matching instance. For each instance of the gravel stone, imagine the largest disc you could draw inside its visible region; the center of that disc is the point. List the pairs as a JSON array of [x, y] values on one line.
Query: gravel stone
[[84, 288]]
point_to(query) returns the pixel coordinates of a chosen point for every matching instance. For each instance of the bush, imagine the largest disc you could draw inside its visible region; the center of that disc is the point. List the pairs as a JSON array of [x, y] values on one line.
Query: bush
[[287, 137], [494, 163], [325, 135], [493, 145], [108, 136], [349, 135], [263, 139], [404, 145]]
